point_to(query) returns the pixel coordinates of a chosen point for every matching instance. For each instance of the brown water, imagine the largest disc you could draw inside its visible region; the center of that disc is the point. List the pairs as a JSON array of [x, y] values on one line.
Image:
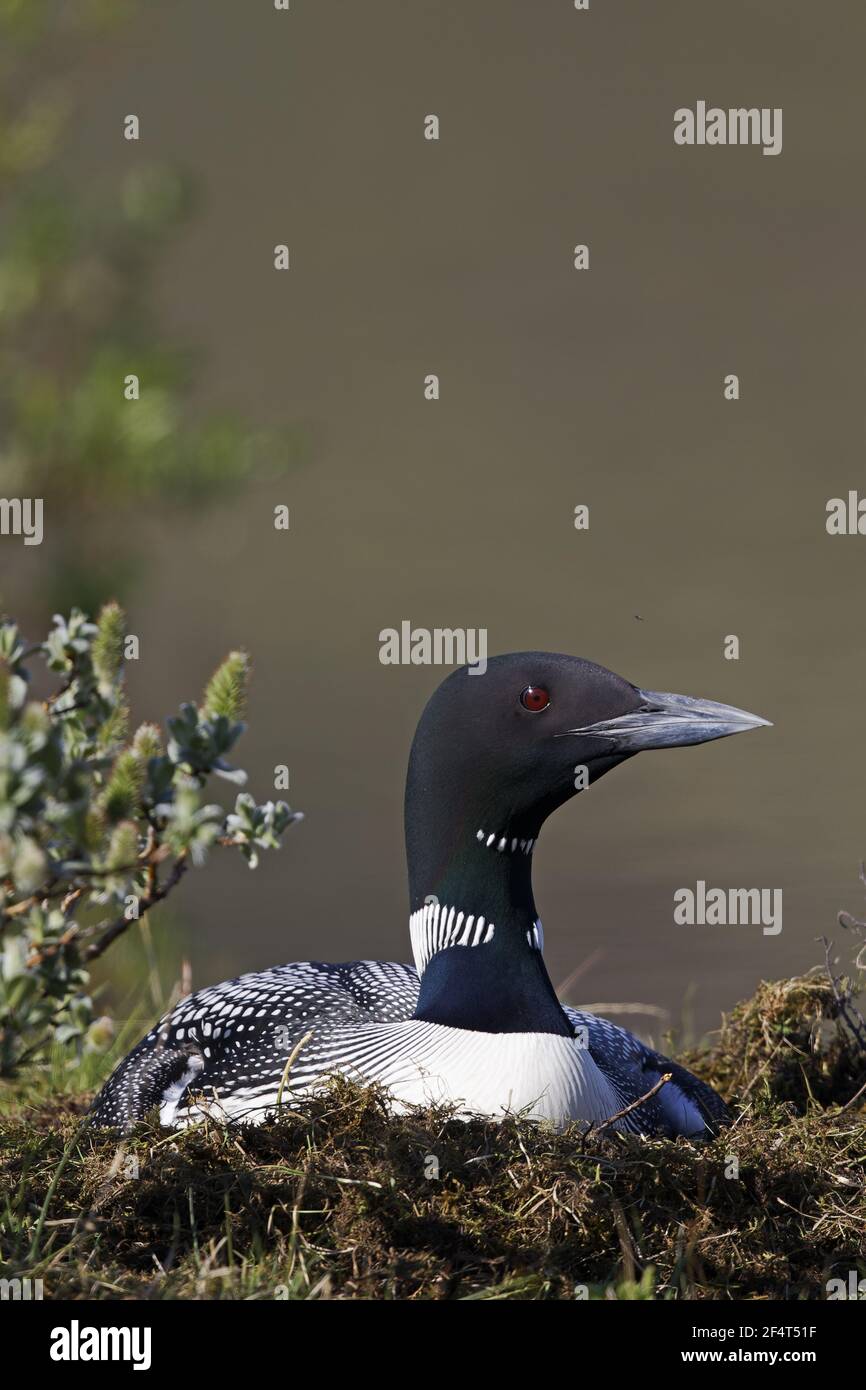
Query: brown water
[[558, 388]]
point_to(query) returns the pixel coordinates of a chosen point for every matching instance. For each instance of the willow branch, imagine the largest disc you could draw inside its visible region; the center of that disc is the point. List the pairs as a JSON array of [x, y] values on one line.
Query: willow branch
[[123, 923]]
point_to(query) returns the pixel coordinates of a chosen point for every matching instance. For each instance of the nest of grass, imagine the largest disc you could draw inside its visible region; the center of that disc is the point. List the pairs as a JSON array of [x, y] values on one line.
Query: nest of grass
[[338, 1199], [794, 1040]]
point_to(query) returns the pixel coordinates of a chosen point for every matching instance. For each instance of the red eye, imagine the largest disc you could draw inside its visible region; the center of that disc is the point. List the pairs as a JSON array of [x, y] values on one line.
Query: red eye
[[535, 698]]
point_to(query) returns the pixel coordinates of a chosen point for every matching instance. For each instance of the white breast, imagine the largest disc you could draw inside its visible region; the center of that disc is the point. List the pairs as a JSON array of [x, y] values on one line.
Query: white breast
[[543, 1075]]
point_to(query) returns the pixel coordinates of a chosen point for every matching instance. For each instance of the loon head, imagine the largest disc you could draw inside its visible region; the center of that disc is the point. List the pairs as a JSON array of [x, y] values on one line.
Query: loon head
[[494, 754], [512, 744]]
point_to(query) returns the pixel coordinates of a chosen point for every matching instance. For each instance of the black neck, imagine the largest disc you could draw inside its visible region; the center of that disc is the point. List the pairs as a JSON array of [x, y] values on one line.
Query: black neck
[[500, 986]]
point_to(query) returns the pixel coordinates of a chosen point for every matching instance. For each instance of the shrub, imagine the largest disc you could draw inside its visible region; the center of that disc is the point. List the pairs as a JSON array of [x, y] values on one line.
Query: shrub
[[97, 826]]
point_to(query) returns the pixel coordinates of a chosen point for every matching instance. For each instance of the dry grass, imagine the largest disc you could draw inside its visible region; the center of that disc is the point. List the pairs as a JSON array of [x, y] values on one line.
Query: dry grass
[[339, 1200]]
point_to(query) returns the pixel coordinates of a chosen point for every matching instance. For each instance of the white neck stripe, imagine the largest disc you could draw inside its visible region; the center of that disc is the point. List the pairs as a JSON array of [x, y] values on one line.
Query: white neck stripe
[[436, 926]]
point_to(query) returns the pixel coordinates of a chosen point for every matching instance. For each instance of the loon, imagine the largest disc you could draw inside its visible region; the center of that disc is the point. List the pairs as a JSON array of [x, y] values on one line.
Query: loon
[[476, 1022]]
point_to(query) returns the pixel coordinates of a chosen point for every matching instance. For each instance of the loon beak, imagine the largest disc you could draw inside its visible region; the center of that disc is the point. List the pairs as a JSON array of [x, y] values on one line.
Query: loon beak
[[672, 721]]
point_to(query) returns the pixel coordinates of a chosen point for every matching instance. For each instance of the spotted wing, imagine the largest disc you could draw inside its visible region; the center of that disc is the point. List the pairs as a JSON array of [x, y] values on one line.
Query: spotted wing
[[684, 1105], [239, 1035]]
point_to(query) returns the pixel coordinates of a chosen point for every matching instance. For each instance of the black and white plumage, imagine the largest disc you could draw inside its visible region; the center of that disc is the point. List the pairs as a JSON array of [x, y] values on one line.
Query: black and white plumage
[[476, 1022], [223, 1051]]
